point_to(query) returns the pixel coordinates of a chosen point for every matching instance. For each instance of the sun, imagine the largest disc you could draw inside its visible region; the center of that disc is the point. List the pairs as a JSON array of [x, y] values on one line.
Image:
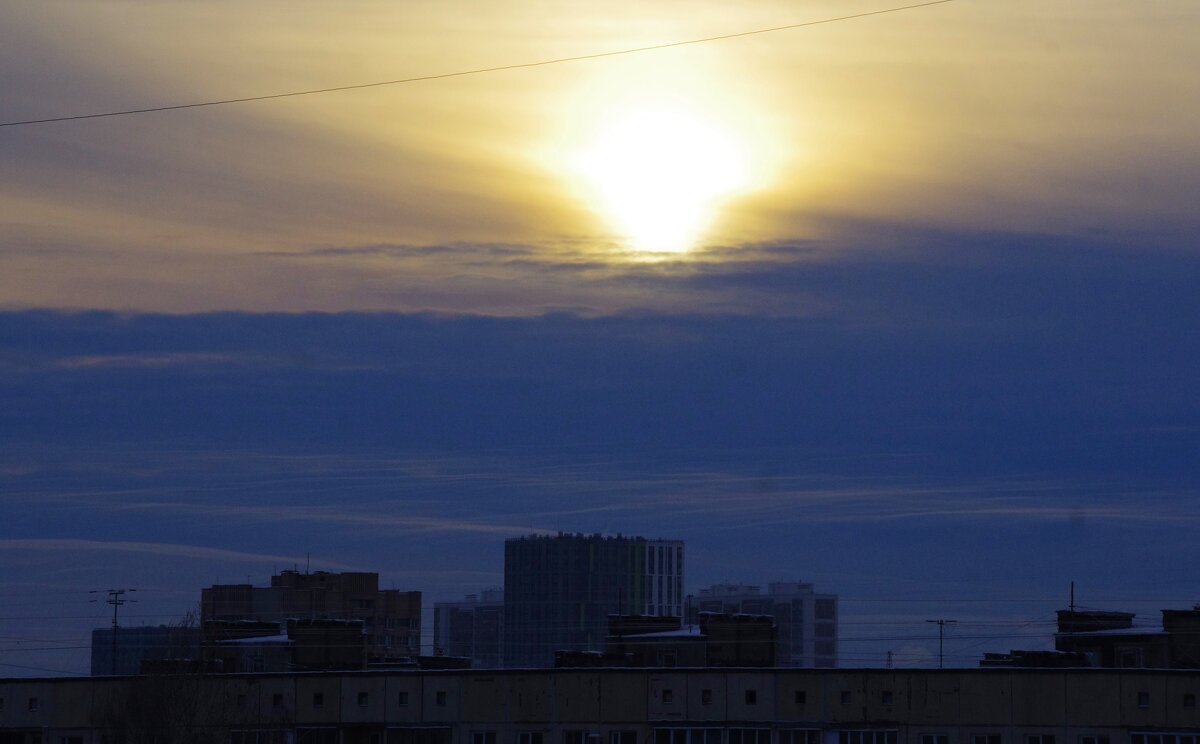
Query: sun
[[659, 174]]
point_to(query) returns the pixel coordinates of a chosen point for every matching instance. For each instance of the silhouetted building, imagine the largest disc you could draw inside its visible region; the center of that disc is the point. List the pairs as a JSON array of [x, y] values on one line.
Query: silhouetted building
[[807, 622], [1094, 638], [1110, 639], [137, 645], [613, 706], [250, 646], [391, 618], [471, 628], [560, 590], [640, 641], [1038, 659], [716, 640]]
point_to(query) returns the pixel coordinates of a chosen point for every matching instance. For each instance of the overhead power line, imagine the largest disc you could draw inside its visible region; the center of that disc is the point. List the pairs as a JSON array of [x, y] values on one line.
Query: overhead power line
[[476, 71]]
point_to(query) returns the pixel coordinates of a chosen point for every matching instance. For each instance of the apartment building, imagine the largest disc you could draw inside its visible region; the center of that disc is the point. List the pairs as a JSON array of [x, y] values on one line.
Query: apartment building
[[471, 628], [559, 590], [614, 706], [807, 621], [391, 618]]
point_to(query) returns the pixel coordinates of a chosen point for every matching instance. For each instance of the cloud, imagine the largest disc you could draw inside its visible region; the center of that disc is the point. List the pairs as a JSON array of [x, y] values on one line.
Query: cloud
[[153, 361], [172, 550], [340, 515]]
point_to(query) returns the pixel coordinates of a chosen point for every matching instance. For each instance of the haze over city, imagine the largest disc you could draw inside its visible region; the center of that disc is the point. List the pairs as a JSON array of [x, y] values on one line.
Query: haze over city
[[900, 303]]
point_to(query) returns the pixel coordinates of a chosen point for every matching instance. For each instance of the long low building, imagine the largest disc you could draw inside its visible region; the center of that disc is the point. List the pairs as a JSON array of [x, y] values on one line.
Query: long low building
[[612, 706]]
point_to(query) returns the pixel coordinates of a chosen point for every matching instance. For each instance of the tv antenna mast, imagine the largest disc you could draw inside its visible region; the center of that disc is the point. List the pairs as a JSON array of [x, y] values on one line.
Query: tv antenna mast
[[941, 623], [116, 598]]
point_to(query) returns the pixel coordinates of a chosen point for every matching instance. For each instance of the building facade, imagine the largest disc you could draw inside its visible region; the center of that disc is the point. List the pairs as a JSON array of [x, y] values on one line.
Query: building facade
[[471, 629], [122, 650], [716, 640], [613, 706], [391, 618], [560, 590], [807, 622]]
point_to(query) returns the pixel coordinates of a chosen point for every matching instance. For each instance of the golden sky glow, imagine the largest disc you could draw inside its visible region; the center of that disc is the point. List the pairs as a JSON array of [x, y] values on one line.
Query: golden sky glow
[[1021, 115], [659, 173]]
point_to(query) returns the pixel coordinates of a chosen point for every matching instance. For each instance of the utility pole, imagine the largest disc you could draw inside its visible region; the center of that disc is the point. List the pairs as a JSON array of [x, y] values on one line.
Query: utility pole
[[941, 623], [116, 598]]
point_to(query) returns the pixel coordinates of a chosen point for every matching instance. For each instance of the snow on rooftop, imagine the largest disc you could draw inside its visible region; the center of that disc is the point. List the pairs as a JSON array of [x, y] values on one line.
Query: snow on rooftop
[[689, 631], [1137, 630], [281, 638]]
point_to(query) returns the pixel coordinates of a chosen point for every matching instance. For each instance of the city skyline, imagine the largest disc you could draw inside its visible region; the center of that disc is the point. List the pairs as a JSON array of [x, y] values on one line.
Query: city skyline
[[900, 301]]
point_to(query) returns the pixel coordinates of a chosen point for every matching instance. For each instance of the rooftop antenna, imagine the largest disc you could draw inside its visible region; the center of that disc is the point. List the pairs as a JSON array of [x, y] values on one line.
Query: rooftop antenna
[[1072, 596], [941, 623], [116, 598], [307, 562]]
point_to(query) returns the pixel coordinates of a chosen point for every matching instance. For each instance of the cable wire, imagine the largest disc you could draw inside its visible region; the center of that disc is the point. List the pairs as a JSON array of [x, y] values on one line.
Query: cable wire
[[476, 71]]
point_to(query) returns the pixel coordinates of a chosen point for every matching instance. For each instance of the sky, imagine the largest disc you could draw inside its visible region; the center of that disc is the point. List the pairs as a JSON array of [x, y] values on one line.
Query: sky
[[903, 305]]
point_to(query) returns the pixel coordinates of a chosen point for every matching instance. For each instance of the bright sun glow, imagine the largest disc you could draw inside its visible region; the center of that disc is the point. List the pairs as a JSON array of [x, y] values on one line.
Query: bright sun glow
[[659, 174]]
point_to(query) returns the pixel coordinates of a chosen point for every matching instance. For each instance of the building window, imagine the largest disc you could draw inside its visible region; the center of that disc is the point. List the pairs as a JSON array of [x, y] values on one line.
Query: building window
[[801, 697], [799, 736], [749, 736], [1189, 700], [622, 737], [318, 699], [688, 736], [277, 700], [241, 700], [576, 736], [362, 699], [1093, 739], [440, 698], [752, 697], [483, 737], [987, 739], [935, 739], [885, 697], [869, 736], [846, 697], [1163, 738], [1143, 700], [529, 737], [1039, 739], [402, 698], [706, 697], [668, 696], [34, 703]]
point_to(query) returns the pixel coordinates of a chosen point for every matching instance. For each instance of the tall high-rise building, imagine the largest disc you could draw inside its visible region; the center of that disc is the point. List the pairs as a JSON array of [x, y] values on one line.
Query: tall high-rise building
[[559, 590], [391, 618], [807, 621], [471, 628]]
